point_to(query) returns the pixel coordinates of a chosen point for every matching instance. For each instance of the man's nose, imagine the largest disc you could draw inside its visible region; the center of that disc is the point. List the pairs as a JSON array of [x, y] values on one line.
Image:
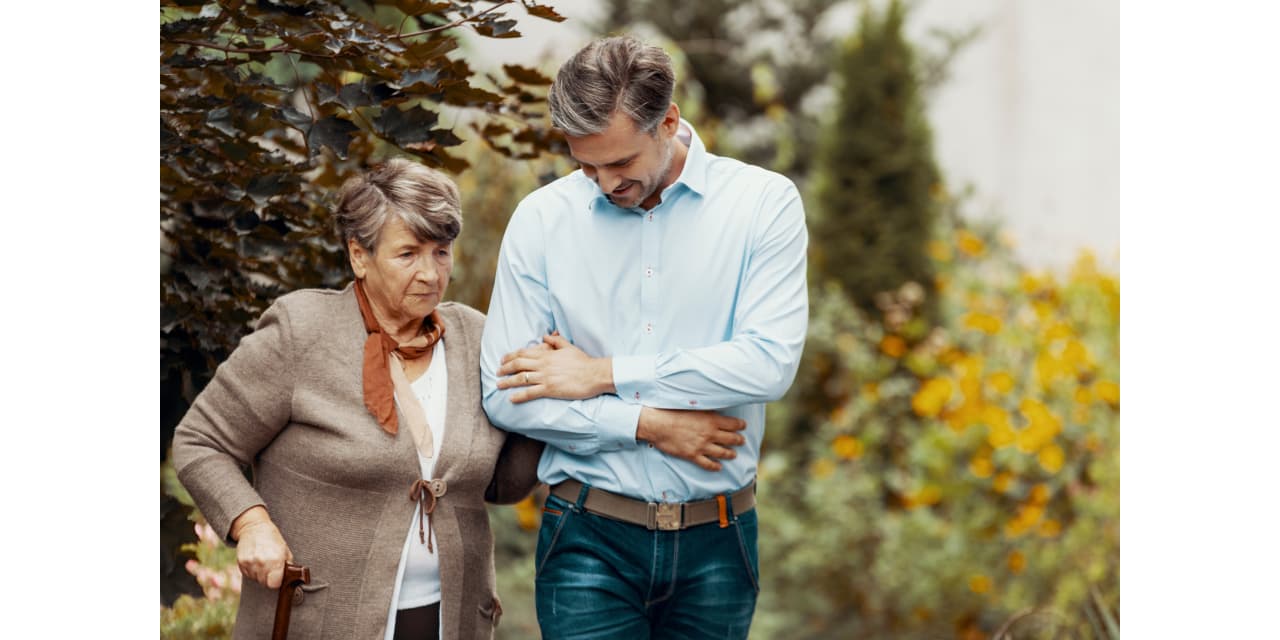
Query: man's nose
[[608, 180]]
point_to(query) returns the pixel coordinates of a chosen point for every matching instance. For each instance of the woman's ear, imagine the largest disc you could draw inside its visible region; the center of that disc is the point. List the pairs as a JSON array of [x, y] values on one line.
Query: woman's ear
[[359, 258]]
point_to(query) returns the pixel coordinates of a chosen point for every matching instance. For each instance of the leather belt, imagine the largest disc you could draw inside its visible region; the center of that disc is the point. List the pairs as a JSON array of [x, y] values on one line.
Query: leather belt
[[664, 516]]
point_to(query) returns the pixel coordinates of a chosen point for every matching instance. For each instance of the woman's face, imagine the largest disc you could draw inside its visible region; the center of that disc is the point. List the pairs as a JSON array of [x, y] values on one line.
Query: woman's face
[[404, 278]]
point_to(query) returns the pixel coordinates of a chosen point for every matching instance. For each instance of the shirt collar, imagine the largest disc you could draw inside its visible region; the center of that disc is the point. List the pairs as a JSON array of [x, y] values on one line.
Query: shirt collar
[[693, 175]]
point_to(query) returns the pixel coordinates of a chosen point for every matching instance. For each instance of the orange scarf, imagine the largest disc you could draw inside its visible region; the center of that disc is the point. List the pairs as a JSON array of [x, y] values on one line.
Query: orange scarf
[[384, 377]]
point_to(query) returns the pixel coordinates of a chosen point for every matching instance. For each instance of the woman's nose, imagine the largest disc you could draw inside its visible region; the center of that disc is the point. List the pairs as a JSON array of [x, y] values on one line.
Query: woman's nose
[[427, 267]]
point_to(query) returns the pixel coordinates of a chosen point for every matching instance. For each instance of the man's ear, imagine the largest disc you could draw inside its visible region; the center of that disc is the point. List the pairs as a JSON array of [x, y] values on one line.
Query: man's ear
[[670, 121], [359, 258]]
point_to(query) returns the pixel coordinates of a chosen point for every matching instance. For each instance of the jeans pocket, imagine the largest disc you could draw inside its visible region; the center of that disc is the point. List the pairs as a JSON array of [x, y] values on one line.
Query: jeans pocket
[[746, 527], [555, 513]]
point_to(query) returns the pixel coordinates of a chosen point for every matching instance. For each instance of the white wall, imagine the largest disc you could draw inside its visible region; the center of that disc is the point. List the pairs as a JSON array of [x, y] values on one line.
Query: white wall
[[1031, 117]]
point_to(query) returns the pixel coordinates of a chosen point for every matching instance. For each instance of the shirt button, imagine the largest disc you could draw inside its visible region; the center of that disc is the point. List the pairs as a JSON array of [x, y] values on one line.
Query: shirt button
[[651, 217], [648, 328], [648, 273], [637, 395]]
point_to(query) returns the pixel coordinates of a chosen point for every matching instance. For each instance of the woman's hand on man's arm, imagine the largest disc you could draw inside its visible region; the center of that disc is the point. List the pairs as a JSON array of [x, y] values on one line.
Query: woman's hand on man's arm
[[555, 368]]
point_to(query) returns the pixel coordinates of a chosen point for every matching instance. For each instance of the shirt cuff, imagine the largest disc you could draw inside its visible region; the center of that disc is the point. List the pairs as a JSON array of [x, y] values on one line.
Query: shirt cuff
[[634, 377], [616, 424]]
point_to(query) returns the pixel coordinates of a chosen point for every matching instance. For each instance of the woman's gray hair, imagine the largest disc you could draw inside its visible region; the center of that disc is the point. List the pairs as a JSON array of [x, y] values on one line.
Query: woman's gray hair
[[614, 74], [424, 198]]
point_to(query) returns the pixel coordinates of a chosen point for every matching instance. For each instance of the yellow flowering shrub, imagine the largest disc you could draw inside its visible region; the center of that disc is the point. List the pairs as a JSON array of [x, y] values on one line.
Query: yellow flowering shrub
[[948, 477], [932, 397], [527, 513], [847, 447]]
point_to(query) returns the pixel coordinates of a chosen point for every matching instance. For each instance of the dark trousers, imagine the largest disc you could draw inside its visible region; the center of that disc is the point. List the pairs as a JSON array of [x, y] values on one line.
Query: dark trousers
[[599, 578], [421, 623]]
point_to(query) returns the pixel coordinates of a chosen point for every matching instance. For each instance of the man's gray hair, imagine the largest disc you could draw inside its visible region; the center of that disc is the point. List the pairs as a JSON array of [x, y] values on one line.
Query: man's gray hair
[[610, 75], [424, 198]]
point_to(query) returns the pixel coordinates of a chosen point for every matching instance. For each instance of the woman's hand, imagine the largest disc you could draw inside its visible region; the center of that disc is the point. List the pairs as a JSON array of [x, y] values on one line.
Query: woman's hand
[[260, 550], [555, 369]]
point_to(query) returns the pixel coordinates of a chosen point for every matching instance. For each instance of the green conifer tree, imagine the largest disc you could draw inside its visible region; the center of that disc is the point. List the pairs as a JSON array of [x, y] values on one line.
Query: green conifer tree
[[873, 206]]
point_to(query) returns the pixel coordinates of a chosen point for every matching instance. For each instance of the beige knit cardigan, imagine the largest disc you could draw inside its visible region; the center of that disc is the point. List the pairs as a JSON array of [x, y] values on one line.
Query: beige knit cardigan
[[288, 403]]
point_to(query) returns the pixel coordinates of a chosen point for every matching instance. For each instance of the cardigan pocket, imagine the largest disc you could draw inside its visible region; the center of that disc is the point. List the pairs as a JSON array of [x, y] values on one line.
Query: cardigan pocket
[[307, 617], [491, 611]]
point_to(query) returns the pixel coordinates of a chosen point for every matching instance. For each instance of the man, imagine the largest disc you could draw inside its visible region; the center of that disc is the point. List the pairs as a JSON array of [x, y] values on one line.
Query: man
[[644, 310]]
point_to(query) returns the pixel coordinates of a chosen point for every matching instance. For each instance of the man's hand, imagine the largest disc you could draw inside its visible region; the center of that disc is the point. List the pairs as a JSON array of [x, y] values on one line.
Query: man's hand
[[696, 436], [260, 550], [555, 369]]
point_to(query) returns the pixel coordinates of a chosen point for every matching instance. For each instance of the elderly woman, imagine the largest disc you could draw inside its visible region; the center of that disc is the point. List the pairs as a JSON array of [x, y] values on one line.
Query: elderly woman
[[359, 412]]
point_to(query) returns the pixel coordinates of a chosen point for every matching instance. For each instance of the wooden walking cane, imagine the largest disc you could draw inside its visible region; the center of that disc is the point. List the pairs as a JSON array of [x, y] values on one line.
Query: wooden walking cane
[[294, 576]]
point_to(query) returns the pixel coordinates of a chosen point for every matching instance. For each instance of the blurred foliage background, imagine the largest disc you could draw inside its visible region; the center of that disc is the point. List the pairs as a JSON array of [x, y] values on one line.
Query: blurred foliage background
[[946, 464]]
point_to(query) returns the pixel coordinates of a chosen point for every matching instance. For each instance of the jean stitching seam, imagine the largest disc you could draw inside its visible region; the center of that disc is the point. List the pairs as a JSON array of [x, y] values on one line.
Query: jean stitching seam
[[675, 566], [555, 537], [653, 571], [746, 560]]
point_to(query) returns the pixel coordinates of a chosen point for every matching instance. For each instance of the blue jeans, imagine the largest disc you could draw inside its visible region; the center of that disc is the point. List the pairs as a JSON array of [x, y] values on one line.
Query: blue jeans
[[601, 578]]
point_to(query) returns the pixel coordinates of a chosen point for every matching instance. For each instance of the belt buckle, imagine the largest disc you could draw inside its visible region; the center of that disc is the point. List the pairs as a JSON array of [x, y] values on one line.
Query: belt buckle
[[669, 516]]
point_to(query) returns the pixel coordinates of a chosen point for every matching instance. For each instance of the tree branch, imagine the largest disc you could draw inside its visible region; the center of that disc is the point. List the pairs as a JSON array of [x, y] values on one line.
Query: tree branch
[[287, 49], [457, 22], [229, 49], [305, 98]]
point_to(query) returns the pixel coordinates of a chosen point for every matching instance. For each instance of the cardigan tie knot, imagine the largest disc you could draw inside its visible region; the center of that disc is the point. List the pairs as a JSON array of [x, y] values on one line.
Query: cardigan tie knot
[[419, 493]]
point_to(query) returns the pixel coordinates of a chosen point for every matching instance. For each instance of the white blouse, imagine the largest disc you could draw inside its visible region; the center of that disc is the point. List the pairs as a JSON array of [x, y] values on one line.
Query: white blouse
[[418, 578]]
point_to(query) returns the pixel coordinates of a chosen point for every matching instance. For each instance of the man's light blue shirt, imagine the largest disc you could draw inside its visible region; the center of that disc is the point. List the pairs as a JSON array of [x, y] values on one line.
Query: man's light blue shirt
[[701, 302]]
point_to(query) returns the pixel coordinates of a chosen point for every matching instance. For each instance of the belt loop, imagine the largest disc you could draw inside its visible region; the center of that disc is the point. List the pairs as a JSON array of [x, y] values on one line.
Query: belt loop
[[722, 502], [582, 497]]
